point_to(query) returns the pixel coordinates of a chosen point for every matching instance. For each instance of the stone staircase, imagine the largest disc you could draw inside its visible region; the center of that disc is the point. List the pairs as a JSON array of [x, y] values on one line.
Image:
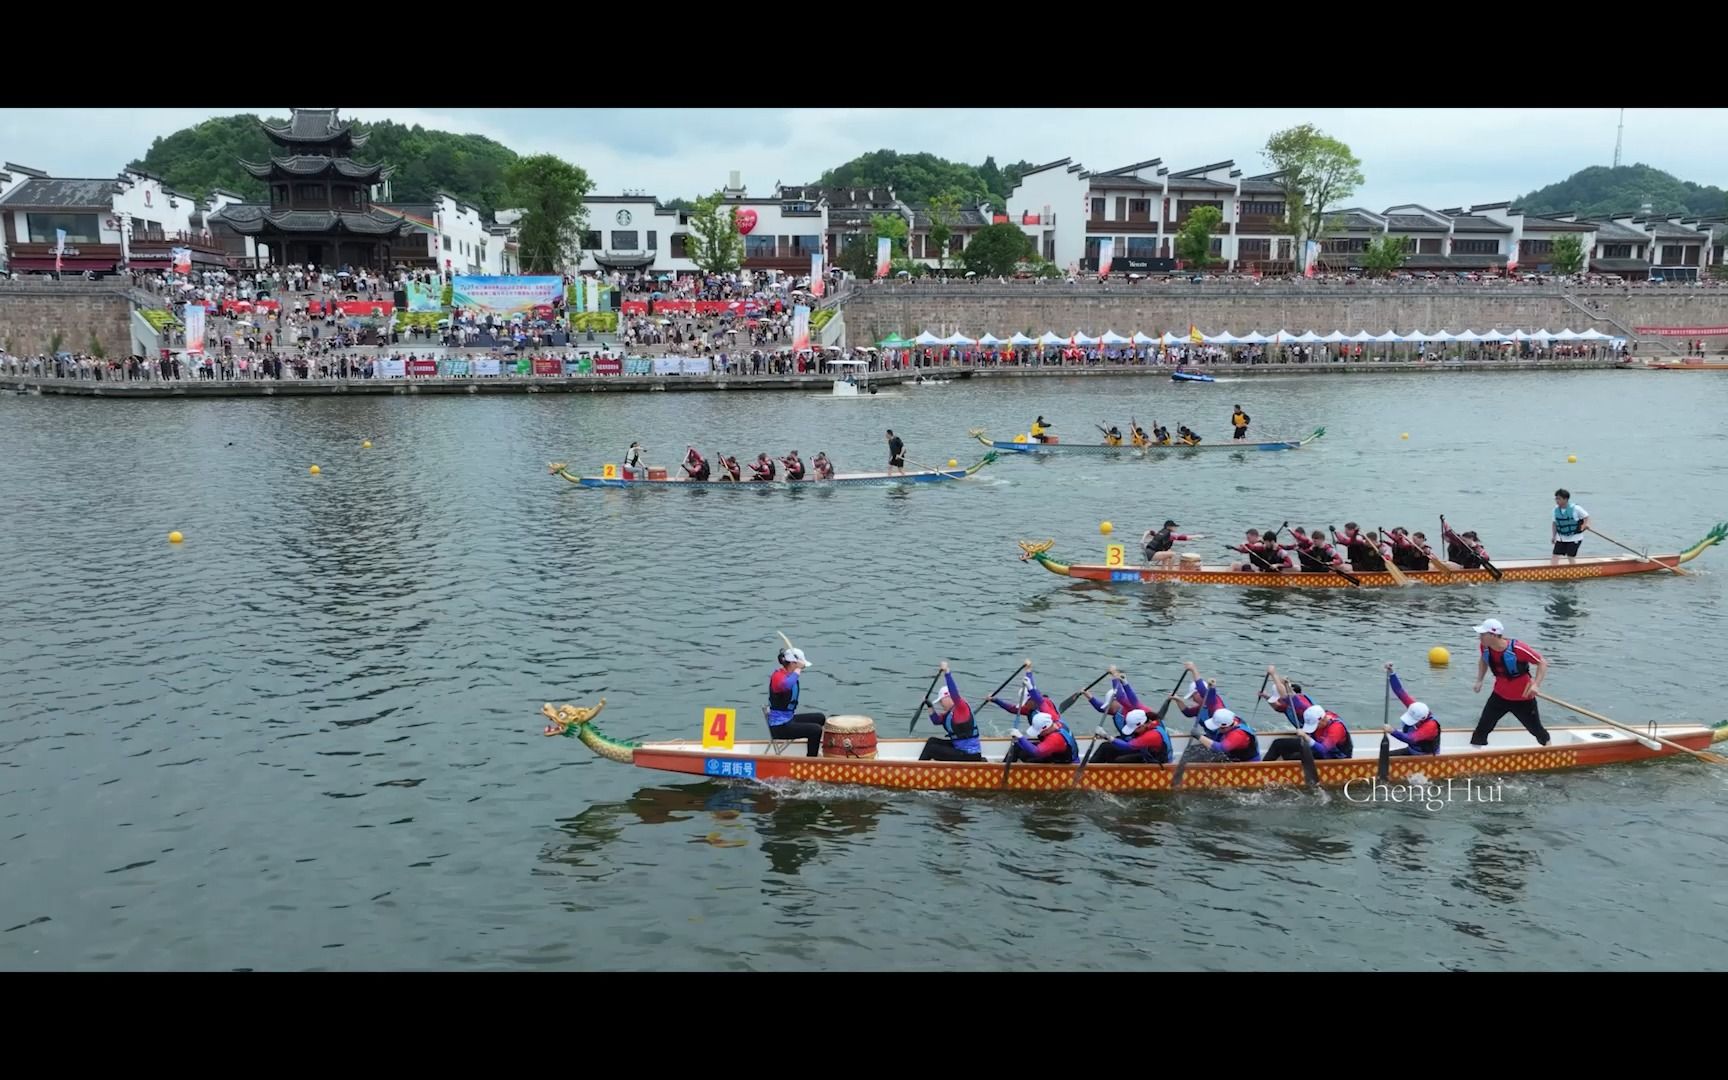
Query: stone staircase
[[1625, 331]]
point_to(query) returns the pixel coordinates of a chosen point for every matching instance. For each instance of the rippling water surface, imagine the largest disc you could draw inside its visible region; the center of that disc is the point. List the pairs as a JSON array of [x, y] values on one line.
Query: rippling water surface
[[307, 737]]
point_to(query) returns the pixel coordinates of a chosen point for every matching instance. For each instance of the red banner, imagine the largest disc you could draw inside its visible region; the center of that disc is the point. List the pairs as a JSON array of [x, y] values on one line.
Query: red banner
[[360, 308], [422, 367], [548, 366], [605, 365], [1683, 331], [688, 307]]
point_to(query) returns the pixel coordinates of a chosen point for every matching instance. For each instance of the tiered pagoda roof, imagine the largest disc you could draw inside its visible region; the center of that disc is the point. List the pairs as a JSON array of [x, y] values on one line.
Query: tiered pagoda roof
[[314, 165], [315, 127], [253, 219]]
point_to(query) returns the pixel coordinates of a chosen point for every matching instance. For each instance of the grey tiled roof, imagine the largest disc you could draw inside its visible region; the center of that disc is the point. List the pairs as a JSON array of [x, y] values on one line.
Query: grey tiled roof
[[965, 219], [1413, 223], [313, 165], [1346, 220], [1112, 183], [1261, 187], [63, 193], [250, 219], [313, 126], [1614, 232], [1548, 224], [1471, 223], [1198, 183], [1666, 231]]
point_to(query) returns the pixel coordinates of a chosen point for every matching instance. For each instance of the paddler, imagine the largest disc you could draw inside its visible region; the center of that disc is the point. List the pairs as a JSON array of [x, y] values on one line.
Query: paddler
[[1186, 437], [1141, 740], [1160, 434], [1047, 738], [730, 464], [950, 712], [1240, 420], [1194, 706], [1117, 701], [1223, 734], [695, 465], [794, 467], [1039, 427], [762, 468], [1418, 729], [1313, 554], [1112, 435], [824, 468], [1159, 546], [1138, 434], [1568, 527], [1362, 552], [785, 722], [1404, 553], [1465, 550], [1320, 726], [1422, 556]]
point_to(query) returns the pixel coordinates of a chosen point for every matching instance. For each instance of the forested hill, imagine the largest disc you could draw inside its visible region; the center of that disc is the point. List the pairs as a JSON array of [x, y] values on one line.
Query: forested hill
[[1601, 190], [470, 167]]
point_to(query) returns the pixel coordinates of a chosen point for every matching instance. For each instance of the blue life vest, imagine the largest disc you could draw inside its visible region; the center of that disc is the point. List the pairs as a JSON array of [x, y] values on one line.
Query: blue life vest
[[1566, 520], [1505, 663], [964, 736], [1253, 740]]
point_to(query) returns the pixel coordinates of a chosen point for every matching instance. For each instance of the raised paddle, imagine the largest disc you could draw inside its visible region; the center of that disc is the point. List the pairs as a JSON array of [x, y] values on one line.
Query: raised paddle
[[1641, 555], [1647, 740], [1382, 536], [1069, 701], [1008, 758], [1446, 531], [1345, 574], [1385, 767], [1097, 732], [931, 689]]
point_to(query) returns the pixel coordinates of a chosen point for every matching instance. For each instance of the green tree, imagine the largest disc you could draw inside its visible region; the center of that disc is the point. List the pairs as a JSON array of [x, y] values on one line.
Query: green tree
[[1317, 172], [997, 250], [1384, 255], [1194, 242], [1601, 190], [549, 190], [944, 211], [715, 245], [915, 178], [679, 203], [96, 348], [1568, 254]]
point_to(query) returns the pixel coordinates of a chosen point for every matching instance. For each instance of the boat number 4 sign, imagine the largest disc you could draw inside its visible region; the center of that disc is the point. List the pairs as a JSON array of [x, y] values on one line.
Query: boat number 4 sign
[[717, 729]]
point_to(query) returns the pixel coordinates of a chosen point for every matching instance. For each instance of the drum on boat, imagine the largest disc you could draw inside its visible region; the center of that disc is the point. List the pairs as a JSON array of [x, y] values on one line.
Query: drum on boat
[[849, 736], [1191, 560]]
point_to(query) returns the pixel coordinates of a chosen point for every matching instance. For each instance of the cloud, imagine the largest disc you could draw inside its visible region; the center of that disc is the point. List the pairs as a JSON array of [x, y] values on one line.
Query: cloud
[[1437, 157]]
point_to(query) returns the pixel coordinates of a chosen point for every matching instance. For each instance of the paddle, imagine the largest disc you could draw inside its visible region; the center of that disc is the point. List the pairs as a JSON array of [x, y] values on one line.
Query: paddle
[[1391, 566], [1446, 531], [1097, 732], [1008, 758], [1068, 702], [1385, 766], [1340, 571], [1641, 555], [1310, 774], [924, 703], [1647, 740], [1176, 781]]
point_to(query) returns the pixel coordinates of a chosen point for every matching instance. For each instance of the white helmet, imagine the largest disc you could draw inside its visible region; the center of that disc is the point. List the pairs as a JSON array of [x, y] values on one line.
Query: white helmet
[[1221, 719], [1415, 714]]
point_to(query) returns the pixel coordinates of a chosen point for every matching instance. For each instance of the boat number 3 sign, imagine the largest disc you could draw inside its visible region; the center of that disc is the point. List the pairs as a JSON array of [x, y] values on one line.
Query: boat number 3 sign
[[717, 729], [1114, 555]]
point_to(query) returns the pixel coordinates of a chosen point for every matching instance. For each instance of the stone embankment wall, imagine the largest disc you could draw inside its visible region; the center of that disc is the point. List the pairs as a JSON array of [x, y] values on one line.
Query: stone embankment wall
[[32, 309], [873, 312]]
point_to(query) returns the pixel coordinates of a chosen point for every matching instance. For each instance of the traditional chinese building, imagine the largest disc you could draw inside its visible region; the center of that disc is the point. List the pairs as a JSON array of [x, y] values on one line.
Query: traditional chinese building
[[320, 209]]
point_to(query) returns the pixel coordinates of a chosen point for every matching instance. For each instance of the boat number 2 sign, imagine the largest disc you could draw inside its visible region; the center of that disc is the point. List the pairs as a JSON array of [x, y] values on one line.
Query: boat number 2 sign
[[1113, 555], [718, 729], [609, 471]]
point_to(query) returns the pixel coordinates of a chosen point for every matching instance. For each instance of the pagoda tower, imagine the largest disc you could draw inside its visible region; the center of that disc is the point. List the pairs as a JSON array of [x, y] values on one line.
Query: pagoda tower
[[320, 209]]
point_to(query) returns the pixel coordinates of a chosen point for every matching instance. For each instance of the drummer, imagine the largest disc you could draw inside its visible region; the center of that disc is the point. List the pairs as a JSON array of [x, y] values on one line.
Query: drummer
[[950, 712], [785, 722], [1039, 427]]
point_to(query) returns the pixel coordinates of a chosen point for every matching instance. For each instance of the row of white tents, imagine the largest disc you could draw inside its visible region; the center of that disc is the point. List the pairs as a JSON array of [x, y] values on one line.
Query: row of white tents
[[1282, 337]]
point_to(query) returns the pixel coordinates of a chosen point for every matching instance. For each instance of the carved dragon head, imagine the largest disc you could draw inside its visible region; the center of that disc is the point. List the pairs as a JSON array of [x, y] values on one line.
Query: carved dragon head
[[1029, 550], [567, 717]]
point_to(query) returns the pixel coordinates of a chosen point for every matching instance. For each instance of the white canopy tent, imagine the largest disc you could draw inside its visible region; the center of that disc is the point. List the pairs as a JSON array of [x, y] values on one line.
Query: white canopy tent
[[1050, 337], [1142, 339], [1254, 337], [1226, 338], [1022, 339], [1111, 337], [1079, 338], [1334, 337], [1594, 335], [926, 338], [990, 339], [957, 338], [1567, 334]]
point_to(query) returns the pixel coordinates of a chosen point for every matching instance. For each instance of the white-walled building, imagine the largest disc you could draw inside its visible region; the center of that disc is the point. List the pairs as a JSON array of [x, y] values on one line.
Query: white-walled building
[[633, 232], [1050, 204]]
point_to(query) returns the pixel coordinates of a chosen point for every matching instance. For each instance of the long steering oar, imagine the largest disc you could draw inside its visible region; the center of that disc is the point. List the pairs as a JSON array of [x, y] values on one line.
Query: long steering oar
[[1384, 769], [1640, 554], [1648, 740], [931, 689], [1446, 531]]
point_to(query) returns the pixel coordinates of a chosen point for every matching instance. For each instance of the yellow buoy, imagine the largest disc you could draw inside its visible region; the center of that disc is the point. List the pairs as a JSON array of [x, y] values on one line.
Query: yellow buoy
[[952, 463], [1406, 435], [367, 445], [314, 470], [1438, 656], [175, 537], [1571, 459], [1106, 528]]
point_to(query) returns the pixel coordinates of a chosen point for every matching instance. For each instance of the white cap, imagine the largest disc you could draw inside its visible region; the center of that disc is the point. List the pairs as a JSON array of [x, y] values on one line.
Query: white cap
[[1221, 719], [1194, 688], [1415, 714], [1109, 696], [941, 692], [1311, 717], [793, 655], [1491, 626], [1134, 719], [1041, 723]]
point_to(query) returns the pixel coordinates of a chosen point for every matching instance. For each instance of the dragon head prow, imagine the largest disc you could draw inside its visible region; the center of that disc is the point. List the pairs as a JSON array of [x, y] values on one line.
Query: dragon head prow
[[555, 467], [975, 432], [1031, 550], [566, 716]]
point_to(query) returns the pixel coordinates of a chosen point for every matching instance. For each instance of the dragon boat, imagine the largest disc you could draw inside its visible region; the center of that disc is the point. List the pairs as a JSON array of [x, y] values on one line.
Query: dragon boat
[[613, 477], [1190, 376], [1022, 444], [894, 764], [1189, 570]]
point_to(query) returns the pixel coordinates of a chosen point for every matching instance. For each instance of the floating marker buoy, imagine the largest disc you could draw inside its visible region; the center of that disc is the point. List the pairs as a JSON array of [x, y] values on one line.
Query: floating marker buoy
[[1571, 459], [1106, 528], [367, 445], [952, 463], [314, 470], [1406, 435], [175, 537], [1438, 656]]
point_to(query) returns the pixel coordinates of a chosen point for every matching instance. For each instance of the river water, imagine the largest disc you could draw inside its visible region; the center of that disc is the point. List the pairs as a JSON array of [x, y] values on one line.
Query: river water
[[308, 736]]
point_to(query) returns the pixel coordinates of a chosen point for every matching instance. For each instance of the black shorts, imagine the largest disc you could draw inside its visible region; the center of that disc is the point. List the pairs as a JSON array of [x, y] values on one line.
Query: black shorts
[[1242, 432], [896, 463], [1566, 547]]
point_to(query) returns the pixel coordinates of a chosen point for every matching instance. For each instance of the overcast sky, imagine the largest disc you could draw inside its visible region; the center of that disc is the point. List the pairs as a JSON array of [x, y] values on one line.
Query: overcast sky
[[1436, 157]]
